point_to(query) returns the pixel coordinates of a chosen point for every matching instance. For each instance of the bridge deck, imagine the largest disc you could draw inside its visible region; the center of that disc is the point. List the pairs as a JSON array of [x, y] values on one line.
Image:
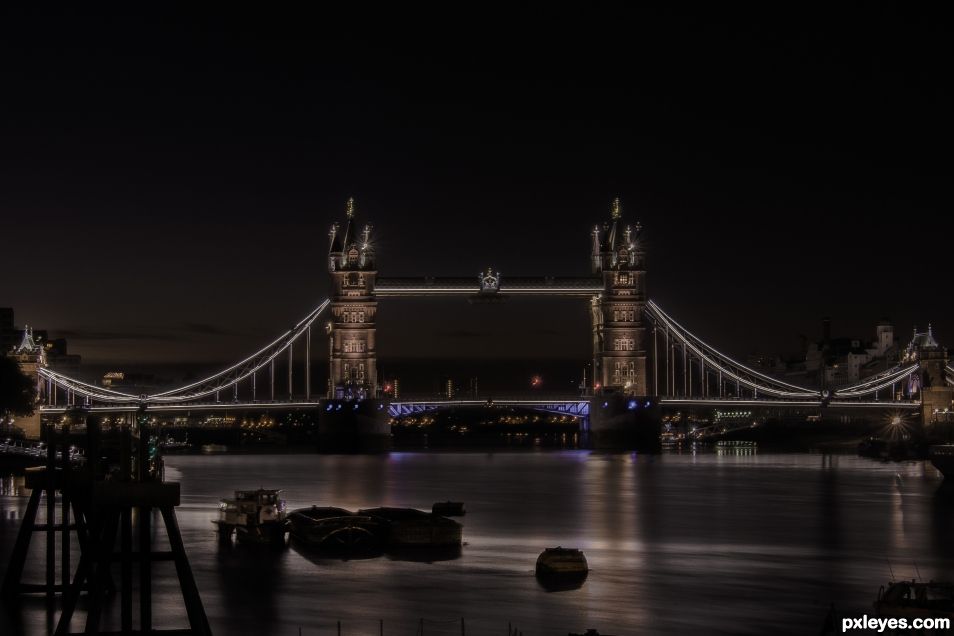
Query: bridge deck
[[570, 403], [516, 286]]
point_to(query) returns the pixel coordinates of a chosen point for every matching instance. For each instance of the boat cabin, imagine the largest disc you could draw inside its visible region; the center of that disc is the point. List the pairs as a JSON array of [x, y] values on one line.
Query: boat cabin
[[252, 507]]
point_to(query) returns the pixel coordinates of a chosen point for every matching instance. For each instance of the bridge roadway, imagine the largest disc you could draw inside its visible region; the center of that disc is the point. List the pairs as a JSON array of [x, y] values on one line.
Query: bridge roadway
[[508, 286], [574, 405]]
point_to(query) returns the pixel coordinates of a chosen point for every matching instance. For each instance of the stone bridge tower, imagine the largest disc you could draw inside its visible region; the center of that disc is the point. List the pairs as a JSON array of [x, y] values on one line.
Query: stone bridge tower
[[620, 350], [31, 356], [937, 397], [353, 371]]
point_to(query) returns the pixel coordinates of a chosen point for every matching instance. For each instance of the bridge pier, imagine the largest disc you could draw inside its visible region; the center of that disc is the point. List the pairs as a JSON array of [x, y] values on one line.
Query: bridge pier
[[620, 422], [353, 426]]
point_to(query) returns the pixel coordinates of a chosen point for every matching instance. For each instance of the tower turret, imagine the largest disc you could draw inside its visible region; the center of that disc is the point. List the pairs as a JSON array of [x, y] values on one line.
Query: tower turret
[[595, 250], [353, 355], [335, 249], [619, 332]]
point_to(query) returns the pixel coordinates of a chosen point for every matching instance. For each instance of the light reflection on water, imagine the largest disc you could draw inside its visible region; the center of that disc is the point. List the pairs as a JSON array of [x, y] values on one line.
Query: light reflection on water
[[709, 543]]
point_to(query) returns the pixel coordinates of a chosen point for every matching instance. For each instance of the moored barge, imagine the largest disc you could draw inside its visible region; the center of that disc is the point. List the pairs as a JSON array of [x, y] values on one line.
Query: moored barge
[[255, 516], [916, 599], [337, 530], [409, 527]]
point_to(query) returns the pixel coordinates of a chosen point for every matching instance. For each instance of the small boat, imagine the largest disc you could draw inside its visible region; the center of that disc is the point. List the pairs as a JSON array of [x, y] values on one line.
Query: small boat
[[914, 599], [256, 516], [942, 456], [561, 563], [337, 530], [409, 527], [170, 445], [214, 449], [449, 508], [736, 443]]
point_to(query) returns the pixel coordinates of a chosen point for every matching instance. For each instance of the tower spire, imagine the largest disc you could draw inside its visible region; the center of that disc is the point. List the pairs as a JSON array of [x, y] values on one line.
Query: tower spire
[[349, 207], [616, 209]]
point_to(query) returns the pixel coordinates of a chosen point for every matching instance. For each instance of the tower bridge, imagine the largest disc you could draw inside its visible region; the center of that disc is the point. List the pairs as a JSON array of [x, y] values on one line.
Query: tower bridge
[[643, 359]]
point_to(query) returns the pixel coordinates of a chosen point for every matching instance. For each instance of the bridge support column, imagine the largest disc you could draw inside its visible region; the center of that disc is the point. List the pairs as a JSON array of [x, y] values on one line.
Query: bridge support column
[[624, 422], [353, 426]]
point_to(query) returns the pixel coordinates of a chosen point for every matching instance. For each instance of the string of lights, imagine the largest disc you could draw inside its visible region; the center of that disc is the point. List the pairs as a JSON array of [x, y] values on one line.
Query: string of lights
[[871, 389], [710, 358], [727, 366], [737, 371], [221, 381]]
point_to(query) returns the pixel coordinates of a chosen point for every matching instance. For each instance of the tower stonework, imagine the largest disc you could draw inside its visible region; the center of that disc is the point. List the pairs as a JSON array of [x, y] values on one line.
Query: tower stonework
[[624, 413], [620, 351], [31, 357], [352, 356], [352, 418]]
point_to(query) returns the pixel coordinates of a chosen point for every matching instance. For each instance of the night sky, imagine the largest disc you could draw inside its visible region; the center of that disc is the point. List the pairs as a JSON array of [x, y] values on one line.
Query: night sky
[[167, 181]]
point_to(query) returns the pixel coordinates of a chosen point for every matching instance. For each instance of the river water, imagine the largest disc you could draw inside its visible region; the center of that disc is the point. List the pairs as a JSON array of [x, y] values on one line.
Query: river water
[[677, 543]]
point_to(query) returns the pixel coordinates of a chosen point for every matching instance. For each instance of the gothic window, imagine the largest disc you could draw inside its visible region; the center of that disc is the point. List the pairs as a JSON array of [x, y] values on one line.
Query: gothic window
[[624, 372], [353, 256], [624, 344], [361, 372], [353, 346], [623, 278], [352, 280], [360, 316]]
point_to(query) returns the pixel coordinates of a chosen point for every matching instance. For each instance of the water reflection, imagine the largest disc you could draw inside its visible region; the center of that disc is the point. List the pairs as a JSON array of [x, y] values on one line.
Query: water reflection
[[250, 581], [13, 486], [942, 520], [676, 543]]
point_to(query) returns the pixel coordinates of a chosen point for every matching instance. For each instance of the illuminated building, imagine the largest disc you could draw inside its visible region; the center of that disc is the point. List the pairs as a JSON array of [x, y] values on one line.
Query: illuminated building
[[30, 356], [620, 355], [352, 348]]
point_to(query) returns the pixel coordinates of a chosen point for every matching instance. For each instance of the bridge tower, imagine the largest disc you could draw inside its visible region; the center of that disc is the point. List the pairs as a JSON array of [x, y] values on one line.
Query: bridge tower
[[624, 413], [31, 356], [352, 418], [937, 396], [620, 351], [352, 356]]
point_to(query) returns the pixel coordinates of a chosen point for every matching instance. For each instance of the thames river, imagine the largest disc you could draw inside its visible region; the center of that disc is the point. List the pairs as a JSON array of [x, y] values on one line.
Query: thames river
[[676, 543]]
